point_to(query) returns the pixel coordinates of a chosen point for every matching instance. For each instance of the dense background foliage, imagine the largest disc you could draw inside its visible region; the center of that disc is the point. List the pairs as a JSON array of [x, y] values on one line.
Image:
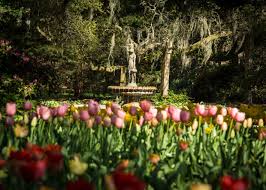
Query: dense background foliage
[[48, 48]]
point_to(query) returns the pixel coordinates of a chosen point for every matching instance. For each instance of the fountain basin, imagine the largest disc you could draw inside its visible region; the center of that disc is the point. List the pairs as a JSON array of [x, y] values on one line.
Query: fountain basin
[[131, 93]]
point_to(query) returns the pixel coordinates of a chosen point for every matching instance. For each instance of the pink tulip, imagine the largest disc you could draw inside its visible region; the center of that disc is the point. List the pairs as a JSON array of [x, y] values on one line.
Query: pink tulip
[[224, 126], [98, 120], [108, 111], [176, 115], [219, 119], [107, 121], [11, 109], [54, 111], [62, 110], [161, 115], [212, 110], [27, 106], [205, 113], [145, 105], [84, 115], [120, 113], [200, 109], [114, 107], [240, 116], [184, 116], [148, 116], [153, 111], [171, 109], [117, 121], [223, 111], [93, 107], [141, 121], [196, 112], [45, 113], [133, 110], [233, 112]]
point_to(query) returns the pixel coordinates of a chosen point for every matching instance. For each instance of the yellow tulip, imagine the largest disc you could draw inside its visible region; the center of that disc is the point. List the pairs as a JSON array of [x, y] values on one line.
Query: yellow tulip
[[77, 167], [20, 131]]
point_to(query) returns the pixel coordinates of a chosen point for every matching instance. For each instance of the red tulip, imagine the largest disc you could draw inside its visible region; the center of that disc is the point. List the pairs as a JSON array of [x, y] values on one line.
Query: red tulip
[[79, 184], [240, 184], [226, 182], [11, 109], [33, 170], [183, 145], [127, 181]]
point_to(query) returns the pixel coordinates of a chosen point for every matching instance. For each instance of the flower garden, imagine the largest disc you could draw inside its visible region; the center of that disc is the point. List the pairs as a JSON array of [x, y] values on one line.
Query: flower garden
[[132, 147]]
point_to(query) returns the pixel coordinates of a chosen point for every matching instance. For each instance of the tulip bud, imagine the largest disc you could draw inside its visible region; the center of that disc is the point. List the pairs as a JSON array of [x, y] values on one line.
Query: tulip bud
[[183, 145], [245, 123], [195, 125], [261, 123], [237, 126], [233, 134], [34, 122], [249, 123], [26, 118]]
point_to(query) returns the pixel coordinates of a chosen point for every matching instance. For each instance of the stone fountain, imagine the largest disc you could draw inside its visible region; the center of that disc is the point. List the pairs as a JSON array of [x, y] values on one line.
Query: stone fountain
[[131, 91]]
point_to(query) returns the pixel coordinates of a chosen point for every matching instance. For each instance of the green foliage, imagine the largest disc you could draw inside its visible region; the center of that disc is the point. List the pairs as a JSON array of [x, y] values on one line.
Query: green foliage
[[178, 99]]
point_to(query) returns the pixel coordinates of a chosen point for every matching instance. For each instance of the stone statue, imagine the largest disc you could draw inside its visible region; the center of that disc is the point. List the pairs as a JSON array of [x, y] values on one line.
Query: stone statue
[[132, 71]]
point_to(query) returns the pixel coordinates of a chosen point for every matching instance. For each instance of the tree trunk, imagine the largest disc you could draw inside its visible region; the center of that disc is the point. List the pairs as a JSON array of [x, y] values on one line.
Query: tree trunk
[[166, 68]]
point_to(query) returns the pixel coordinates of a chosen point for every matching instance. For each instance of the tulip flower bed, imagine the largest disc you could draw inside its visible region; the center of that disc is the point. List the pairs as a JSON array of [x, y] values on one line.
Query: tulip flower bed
[[130, 148]]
